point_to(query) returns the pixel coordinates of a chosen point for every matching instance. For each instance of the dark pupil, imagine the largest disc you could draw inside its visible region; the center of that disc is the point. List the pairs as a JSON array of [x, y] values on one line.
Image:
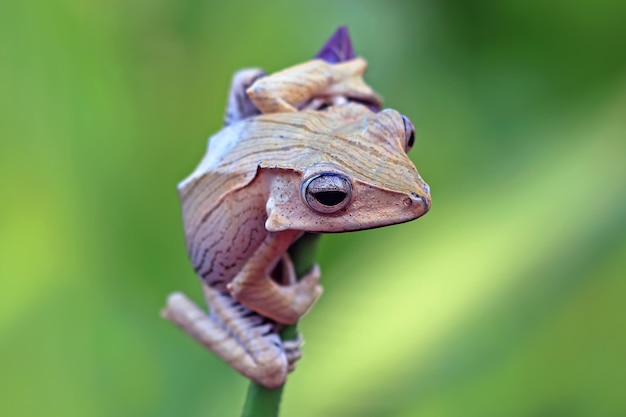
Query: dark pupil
[[330, 198], [411, 140]]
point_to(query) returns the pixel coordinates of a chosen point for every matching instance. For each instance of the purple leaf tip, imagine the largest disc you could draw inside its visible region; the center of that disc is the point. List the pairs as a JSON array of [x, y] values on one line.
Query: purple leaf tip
[[338, 47]]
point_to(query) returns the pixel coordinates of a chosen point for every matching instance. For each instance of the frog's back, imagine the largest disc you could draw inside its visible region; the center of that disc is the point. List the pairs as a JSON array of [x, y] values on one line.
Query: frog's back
[[282, 140], [285, 140]]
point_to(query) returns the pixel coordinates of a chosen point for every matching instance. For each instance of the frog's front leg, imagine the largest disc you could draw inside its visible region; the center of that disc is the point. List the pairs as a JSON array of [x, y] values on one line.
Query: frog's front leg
[[244, 339], [254, 287], [289, 89]]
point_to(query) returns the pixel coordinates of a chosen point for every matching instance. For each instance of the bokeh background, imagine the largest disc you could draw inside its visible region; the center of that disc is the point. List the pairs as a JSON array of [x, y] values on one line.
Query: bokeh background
[[507, 299]]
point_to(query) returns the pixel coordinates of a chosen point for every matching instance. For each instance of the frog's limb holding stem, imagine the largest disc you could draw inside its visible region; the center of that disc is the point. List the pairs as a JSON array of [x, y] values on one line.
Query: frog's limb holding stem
[[262, 398], [242, 338], [254, 287], [260, 401]]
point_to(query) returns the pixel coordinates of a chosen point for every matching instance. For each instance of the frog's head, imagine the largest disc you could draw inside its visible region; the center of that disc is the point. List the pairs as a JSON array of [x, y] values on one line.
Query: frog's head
[[361, 179]]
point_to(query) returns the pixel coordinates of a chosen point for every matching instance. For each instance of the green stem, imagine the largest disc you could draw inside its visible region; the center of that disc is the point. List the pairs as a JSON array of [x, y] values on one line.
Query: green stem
[[261, 401]]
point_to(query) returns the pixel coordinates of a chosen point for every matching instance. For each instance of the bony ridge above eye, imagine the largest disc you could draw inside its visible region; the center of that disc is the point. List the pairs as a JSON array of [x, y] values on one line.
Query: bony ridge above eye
[[327, 192]]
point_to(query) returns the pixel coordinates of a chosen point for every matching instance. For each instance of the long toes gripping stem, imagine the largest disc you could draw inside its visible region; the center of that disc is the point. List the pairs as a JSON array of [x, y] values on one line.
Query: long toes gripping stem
[[246, 341]]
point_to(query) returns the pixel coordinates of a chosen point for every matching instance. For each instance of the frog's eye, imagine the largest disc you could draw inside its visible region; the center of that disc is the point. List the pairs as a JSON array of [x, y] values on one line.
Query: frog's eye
[[327, 192], [409, 133]]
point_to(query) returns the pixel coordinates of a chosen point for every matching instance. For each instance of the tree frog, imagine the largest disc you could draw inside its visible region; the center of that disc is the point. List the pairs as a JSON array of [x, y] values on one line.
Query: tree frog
[[297, 155]]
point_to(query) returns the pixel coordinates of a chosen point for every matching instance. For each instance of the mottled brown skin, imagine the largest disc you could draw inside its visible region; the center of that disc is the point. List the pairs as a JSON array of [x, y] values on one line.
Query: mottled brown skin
[[246, 203]]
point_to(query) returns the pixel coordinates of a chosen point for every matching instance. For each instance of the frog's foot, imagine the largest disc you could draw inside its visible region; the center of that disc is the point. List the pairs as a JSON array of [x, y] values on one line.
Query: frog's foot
[[239, 105], [244, 339], [292, 351], [282, 303]]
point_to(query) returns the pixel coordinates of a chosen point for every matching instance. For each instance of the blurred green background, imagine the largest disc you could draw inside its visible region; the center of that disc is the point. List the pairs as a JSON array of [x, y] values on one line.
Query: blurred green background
[[507, 299]]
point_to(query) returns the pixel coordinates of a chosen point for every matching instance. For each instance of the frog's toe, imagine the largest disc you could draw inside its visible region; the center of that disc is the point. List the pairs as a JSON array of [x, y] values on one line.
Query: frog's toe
[[310, 282], [293, 352]]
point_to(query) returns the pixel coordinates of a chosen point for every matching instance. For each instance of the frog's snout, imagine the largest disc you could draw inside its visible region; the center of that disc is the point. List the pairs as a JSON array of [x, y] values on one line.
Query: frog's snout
[[421, 201], [424, 196]]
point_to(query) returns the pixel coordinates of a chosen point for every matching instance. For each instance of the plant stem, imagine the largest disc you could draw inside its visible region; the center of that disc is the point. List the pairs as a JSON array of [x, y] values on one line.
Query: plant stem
[[261, 401]]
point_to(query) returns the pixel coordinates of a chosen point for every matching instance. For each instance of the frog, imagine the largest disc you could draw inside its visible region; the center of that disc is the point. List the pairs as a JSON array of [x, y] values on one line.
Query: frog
[[301, 151]]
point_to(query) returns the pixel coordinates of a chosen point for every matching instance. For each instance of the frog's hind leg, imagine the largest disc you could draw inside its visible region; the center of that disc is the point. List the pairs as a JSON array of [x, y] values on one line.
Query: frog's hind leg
[[244, 339]]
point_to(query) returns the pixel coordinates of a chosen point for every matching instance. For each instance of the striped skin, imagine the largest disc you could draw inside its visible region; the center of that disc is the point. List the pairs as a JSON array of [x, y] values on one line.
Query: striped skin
[[250, 182]]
